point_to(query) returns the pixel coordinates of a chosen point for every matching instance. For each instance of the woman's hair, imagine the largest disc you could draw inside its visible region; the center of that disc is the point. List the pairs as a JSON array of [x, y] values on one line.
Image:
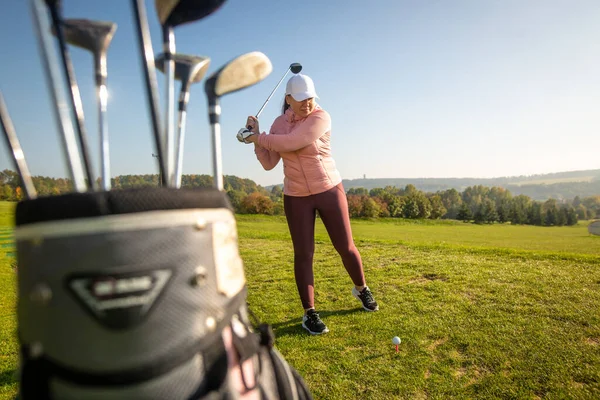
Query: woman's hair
[[285, 105]]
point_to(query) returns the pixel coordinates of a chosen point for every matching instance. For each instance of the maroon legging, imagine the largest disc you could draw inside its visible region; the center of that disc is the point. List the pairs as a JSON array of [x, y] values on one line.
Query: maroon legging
[[333, 210]]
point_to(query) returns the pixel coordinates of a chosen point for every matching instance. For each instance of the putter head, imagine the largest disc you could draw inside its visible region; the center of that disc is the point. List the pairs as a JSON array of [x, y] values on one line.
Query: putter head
[[241, 72], [187, 68], [177, 12], [295, 68], [94, 36]]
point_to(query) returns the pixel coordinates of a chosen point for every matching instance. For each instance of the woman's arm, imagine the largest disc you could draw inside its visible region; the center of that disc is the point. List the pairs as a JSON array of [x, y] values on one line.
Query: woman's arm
[[315, 126], [268, 159]]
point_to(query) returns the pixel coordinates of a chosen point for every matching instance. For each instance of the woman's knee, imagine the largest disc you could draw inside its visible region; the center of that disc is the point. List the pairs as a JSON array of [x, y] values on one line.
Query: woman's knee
[[304, 257], [348, 250]]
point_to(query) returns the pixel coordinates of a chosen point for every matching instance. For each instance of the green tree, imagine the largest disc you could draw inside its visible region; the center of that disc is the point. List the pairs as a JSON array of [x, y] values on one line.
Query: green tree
[[370, 208], [452, 202], [437, 207], [503, 210], [276, 193], [464, 213], [479, 217], [581, 211], [411, 208], [518, 210], [489, 210], [383, 207], [535, 215], [571, 217], [235, 198], [8, 193]]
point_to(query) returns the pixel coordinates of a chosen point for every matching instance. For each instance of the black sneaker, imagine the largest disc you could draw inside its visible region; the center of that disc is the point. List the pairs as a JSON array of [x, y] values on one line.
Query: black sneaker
[[313, 324], [366, 298]]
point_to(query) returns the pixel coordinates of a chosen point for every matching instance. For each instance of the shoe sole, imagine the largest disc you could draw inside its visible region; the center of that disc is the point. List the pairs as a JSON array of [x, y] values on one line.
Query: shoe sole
[[314, 333], [361, 303]]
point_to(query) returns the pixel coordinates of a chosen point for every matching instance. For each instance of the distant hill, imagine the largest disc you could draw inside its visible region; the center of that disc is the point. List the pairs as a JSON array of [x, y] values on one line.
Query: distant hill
[[559, 185]]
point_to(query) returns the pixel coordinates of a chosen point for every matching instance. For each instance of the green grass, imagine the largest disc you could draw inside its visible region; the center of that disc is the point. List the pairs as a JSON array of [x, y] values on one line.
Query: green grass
[[484, 312], [8, 344]]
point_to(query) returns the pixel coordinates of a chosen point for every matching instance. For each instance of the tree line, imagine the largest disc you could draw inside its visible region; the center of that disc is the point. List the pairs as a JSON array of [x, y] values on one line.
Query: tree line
[[480, 204]]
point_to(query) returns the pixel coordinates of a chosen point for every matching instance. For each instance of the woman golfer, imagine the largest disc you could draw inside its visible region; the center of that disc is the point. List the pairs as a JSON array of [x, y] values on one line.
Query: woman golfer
[[301, 136]]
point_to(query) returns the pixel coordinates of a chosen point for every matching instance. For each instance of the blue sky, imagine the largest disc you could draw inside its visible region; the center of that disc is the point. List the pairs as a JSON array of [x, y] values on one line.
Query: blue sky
[[446, 88]]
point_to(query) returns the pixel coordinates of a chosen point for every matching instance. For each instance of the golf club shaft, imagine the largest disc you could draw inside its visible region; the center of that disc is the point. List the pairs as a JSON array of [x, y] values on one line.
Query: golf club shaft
[[169, 50], [147, 57], [63, 119], [12, 142], [184, 96], [180, 142], [214, 113], [102, 93], [75, 96], [271, 95]]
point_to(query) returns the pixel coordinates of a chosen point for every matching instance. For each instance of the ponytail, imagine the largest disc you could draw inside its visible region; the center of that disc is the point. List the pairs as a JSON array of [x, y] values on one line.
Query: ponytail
[[285, 106]]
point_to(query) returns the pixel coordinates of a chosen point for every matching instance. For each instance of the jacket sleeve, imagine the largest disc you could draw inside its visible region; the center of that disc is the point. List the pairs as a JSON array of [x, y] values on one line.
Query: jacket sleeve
[[307, 132], [267, 158]]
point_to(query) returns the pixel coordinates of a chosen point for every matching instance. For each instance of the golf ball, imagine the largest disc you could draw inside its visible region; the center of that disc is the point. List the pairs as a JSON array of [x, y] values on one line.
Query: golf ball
[[396, 340]]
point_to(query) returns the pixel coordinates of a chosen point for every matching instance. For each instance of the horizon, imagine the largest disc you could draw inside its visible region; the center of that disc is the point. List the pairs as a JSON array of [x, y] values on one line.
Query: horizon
[[419, 90], [354, 179]]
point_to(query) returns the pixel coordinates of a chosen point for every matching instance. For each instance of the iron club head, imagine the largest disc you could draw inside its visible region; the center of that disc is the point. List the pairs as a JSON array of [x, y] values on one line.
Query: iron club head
[[241, 72]]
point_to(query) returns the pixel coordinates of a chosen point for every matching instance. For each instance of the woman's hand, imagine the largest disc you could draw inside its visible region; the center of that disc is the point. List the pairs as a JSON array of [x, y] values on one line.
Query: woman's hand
[[252, 138], [252, 125]]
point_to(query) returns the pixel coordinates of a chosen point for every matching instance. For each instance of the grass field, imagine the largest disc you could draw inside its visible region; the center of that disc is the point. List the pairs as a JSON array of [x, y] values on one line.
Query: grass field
[[484, 312]]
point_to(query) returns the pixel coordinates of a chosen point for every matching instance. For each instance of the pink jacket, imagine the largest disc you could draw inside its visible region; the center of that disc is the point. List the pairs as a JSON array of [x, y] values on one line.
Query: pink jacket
[[305, 146]]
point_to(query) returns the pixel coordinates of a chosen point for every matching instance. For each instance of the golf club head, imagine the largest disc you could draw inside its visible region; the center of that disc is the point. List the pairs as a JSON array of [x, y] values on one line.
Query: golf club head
[[187, 67], [177, 12], [94, 36], [243, 134], [295, 68], [241, 72]]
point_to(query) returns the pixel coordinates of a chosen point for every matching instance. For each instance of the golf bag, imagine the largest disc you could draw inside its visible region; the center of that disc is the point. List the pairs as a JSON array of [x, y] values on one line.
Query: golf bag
[[125, 295]]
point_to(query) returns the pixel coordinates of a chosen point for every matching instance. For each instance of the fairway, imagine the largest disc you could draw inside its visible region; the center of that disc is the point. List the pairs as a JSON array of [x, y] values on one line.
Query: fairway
[[485, 312]]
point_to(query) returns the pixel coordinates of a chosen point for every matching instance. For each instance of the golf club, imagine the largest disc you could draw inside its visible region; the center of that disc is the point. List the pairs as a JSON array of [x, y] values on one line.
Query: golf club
[[95, 36], [172, 13], [12, 142], [295, 68], [245, 132], [188, 70], [147, 57], [239, 73], [61, 111], [69, 75]]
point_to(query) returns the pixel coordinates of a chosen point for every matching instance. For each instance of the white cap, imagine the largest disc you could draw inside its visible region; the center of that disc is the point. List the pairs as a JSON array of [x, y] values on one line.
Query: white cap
[[301, 87]]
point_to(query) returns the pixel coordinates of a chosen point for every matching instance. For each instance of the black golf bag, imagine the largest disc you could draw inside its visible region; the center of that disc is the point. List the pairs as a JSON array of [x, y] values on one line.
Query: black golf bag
[[125, 294]]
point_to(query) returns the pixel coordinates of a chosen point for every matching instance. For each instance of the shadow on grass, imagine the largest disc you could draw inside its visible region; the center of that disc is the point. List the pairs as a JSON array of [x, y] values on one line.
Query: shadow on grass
[[8, 377], [294, 326]]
